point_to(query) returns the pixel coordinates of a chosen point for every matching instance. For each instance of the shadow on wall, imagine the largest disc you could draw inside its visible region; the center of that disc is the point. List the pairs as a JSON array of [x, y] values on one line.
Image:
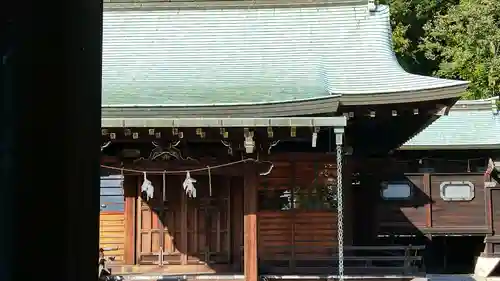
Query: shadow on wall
[[385, 207], [399, 212]]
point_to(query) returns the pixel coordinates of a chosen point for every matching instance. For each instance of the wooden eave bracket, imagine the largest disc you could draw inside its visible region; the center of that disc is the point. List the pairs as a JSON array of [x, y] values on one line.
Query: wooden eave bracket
[[444, 111]]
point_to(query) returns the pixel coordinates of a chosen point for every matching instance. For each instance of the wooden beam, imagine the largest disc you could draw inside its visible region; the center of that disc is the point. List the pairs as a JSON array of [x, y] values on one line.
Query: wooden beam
[[176, 165], [250, 223], [426, 179], [130, 193]]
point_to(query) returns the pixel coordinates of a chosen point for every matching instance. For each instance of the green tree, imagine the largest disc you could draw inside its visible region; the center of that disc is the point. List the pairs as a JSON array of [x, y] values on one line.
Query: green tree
[[466, 43], [408, 17]]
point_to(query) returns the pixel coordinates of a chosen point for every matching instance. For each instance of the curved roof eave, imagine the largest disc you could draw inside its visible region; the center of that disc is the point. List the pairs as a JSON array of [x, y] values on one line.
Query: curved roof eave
[[441, 93], [322, 105]]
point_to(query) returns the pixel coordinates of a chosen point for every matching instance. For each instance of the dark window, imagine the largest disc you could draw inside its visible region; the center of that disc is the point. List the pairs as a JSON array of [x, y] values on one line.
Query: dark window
[[456, 190], [112, 198], [315, 197], [396, 190], [312, 191], [275, 198]]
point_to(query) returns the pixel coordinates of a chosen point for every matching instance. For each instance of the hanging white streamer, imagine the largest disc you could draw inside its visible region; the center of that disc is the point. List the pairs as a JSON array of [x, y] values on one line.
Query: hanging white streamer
[[188, 186], [147, 187]]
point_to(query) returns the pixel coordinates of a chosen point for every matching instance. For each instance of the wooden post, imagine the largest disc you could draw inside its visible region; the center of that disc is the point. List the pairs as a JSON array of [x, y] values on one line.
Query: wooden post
[[250, 223], [130, 193], [138, 221], [349, 202], [184, 229], [426, 180], [237, 223]]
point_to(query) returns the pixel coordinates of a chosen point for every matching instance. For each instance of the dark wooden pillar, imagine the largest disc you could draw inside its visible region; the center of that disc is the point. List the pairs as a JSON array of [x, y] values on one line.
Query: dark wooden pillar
[[130, 192], [349, 202], [250, 223], [50, 87], [237, 222], [184, 229], [426, 180]]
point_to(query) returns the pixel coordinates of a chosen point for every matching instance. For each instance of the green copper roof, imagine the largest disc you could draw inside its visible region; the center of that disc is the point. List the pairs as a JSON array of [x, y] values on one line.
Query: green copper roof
[[469, 125], [241, 55]]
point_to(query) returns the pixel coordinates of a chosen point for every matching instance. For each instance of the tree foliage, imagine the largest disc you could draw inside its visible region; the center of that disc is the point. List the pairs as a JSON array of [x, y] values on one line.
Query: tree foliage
[[466, 42], [458, 39], [407, 20]]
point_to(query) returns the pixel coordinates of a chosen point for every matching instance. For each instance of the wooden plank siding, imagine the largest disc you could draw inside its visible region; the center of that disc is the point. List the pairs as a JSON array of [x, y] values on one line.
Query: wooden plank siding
[[296, 235], [112, 221], [495, 203], [402, 216], [295, 220], [112, 234], [492, 247], [427, 213], [461, 215]]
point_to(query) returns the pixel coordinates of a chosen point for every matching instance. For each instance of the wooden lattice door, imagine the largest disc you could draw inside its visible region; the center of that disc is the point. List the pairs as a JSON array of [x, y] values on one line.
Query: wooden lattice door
[[160, 223], [208, 223], [175, 229]]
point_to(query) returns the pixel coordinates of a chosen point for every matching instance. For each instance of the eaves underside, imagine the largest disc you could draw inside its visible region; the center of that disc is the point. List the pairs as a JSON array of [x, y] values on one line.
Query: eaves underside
[[316, 106]]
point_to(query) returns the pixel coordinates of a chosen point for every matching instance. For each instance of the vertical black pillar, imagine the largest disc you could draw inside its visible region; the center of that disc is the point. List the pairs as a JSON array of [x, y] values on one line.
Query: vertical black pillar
[[50, 75]]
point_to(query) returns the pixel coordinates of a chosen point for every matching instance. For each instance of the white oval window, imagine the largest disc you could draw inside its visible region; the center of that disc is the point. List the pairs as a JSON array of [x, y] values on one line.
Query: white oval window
[[457, 191], [396, 190]]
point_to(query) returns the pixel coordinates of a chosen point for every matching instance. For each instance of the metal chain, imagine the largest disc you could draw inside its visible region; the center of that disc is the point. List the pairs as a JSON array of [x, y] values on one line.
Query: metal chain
[[340, 213]]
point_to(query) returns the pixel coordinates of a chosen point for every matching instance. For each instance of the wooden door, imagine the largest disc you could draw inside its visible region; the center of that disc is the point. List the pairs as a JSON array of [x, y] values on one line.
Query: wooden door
[[208, 222], [175, 229], [159, 224]]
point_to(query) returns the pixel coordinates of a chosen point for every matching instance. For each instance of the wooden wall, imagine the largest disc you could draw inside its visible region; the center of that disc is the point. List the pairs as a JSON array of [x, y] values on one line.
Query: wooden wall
[[466, 216], [296, 235], [493, 241], [402, 216], [495, 206], [303, 225], [427, 213], [112, 234], [112, 221], [295, 219]]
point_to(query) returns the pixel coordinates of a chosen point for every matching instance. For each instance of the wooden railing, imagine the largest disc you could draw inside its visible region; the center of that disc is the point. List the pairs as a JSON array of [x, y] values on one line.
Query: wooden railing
[[359, 260]]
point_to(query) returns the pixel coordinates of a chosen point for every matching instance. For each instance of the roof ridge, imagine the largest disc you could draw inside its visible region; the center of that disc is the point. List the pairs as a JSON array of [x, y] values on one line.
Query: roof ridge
[[110, 5], [476, 105]]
